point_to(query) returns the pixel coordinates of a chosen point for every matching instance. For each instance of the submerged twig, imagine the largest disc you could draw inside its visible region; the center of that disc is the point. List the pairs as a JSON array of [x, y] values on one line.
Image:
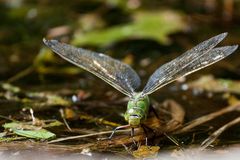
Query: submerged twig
[[91, 118], [206, 118], [64, 119], [218, 132], [86, 135], [21, 74]]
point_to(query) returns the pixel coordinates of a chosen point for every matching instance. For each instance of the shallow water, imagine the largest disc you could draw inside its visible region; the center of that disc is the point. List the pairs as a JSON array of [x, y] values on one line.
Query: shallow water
[[183, 25]]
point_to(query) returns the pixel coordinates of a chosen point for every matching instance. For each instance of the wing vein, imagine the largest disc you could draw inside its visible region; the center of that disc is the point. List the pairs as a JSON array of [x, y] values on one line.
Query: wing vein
[[119, 75], [194, 59]]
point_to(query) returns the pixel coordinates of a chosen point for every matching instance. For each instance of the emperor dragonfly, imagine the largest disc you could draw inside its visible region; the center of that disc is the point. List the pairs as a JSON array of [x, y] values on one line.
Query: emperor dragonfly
[[122, 77]]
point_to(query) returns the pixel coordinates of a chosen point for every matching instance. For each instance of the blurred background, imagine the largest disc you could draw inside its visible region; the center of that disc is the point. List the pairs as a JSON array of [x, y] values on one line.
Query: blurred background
[[132, 30], [144, 34]]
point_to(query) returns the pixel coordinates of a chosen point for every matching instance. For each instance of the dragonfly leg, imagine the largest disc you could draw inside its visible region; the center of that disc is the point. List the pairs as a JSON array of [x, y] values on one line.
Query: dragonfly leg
[[145, 129], [132, 132], [132, 135], [117, 128], [146, 141]]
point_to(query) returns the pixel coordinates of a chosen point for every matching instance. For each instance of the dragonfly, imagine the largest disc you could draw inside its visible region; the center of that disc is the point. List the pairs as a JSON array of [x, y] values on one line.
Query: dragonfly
[[123, 78]]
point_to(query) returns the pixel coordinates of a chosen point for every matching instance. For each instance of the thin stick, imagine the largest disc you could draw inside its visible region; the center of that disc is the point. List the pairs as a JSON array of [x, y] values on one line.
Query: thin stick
[[172, 139], [21, 74], [64, 119], [87, 135], [218, 132], [206, 118]]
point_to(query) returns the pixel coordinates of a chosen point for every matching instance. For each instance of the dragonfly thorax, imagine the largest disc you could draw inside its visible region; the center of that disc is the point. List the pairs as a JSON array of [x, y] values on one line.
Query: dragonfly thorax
[[137, 110]]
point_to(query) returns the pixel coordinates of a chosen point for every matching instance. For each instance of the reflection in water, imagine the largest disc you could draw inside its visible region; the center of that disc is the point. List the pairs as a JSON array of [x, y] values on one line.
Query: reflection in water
[[188, 154]]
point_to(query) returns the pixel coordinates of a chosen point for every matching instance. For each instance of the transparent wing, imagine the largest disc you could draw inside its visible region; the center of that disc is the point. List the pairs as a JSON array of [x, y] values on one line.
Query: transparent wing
[[197, 58], [119, 75]]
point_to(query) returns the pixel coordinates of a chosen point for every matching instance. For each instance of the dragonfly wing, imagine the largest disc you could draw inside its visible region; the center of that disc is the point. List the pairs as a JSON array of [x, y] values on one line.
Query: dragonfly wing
[[119, 75], [194, 59]]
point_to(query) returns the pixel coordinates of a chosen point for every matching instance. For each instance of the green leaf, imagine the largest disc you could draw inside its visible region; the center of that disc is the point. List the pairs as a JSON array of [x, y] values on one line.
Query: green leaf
[[35, 134], [53, 124], [12, 125], [9, 139], [153, 25], [11, 88], [29, 131]]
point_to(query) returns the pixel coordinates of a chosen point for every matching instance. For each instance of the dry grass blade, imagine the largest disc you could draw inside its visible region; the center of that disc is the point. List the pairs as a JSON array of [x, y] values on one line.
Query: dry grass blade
[[218, 132], [84, 136], [208, 117]]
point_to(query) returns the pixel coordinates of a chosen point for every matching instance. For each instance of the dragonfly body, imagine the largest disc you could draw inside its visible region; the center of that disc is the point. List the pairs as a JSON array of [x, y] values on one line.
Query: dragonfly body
[[123, 78], [137, 110]]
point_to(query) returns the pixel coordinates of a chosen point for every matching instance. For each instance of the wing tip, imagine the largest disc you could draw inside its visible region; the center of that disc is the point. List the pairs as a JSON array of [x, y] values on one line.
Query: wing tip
[[222, 35], [44, 40], [49, 43], [228, 49], [234, 48]]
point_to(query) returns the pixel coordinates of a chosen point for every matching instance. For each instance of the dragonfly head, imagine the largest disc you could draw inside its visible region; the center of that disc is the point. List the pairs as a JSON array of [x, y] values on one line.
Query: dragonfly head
[[134, 116], [134, 120], [137, 110]]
